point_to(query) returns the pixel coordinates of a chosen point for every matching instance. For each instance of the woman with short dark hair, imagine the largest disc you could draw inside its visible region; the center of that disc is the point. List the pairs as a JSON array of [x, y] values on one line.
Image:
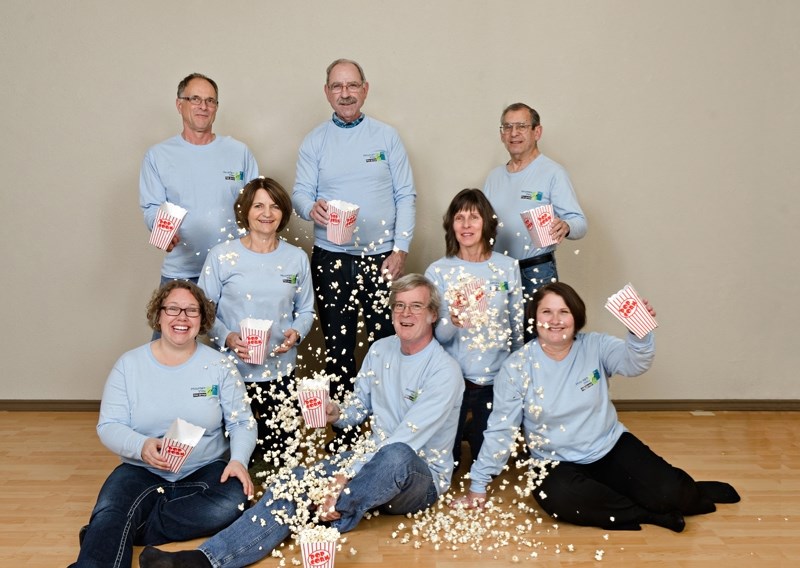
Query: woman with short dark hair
[[261, 276], [589, 469]]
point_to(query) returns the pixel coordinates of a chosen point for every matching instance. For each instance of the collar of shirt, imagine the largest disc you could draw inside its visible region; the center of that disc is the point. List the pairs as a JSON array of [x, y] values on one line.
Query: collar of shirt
[[342, 124]]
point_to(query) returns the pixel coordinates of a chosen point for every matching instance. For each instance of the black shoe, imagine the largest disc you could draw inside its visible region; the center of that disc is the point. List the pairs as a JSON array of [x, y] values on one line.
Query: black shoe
[[719, 491], [154, 558]]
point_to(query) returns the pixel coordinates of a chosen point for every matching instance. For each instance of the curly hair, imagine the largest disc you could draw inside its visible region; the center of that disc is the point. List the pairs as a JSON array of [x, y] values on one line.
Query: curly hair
[[207, 307]]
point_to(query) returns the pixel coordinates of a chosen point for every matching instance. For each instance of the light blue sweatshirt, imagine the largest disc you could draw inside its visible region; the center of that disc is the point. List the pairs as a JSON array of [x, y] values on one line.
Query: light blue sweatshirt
[[542, 182], [142, 398], [563, 406], [274, 286], [481, 349], [203, 179], [412, 399], [366, 165]]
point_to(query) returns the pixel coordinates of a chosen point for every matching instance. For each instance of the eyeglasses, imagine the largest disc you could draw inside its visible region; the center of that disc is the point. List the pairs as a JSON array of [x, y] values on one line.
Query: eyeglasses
[[191, 312], [197, 101], [507, 127], [339, 87], [415, 308]]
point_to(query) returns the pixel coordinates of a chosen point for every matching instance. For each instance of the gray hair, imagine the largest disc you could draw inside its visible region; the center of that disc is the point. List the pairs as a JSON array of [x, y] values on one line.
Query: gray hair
[[411, 281], [340, 62]]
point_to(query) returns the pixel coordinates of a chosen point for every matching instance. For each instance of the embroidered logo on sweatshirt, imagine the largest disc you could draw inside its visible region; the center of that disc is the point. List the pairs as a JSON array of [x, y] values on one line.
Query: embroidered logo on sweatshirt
[[289, 279], [233, 176], [589, 381], [531, 195], [202, 392], [498, 286], [379, 156], [412, 395]]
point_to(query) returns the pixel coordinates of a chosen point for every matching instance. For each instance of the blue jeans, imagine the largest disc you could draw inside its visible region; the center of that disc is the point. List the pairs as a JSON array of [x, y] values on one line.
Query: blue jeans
[[532, 278], [477, 401], [131, 510], [395, 480], [538, 275]]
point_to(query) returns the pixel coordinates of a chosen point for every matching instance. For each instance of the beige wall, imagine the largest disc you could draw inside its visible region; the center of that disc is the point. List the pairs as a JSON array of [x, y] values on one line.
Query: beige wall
[[678, 122]]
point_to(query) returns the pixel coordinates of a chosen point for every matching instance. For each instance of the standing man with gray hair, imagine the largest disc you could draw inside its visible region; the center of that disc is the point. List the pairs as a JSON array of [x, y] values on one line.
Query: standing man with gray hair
[[530, 179], [356, 159], [201, 172]]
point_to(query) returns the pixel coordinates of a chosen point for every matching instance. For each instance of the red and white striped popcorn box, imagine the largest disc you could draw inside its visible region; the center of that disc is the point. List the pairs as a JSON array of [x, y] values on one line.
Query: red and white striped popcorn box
[[538, 221], [256, 333], [168, 218], [318, 547], [471, 296], [314, 396], [628, 307], [469, 300], [318, 554], [179, 441], [342, 217]]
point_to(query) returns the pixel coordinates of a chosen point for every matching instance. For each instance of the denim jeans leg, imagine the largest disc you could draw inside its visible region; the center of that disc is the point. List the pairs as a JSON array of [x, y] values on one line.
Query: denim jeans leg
[[136, 506], [197, 505], [532, 278], [257, 532], [252, 537], [126, 498], [396, 480], [536, 276]]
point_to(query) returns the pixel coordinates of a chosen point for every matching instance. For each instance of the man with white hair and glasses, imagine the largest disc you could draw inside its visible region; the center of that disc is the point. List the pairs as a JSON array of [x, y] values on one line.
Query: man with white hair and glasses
[[358, 160]]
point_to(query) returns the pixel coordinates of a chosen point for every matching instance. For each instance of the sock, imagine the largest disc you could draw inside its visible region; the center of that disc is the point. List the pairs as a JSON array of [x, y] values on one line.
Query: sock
[[718, 491], [154, 558]]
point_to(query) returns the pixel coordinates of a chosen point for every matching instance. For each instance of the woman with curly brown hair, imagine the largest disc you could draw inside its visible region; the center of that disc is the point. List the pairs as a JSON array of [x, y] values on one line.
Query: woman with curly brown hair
[[143, 501]]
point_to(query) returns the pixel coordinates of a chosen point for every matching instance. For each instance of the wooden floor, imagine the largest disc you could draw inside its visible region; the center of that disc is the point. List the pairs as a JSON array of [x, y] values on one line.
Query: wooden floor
[[52, 465]]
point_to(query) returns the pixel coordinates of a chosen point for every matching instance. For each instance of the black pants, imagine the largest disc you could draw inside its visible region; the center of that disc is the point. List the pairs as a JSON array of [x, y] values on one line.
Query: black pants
[[347, 286], [628, 486], [266, 400]]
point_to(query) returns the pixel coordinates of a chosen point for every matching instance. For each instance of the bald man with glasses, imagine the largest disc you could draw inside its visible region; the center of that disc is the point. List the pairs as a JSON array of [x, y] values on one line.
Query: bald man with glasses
[[359, 160]]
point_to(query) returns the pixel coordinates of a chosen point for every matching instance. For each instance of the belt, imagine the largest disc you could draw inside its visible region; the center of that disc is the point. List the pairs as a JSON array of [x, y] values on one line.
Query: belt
[[469, 385], [534, 260]]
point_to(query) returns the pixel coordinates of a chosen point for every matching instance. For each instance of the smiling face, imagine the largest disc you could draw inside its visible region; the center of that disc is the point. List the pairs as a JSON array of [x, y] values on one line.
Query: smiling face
[[555, 324], [521, 143], [265, 215], [415, 330], [179, 331], [200, 118], [346, 92], [468, 228]]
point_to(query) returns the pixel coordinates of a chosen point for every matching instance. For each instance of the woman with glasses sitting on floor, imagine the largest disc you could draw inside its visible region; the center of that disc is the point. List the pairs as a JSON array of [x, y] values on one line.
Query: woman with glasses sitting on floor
[[144, 501]]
